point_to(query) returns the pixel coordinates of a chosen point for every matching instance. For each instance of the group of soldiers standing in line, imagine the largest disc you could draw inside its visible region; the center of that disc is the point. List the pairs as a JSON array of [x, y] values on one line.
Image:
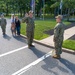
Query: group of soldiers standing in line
[[30, 26]]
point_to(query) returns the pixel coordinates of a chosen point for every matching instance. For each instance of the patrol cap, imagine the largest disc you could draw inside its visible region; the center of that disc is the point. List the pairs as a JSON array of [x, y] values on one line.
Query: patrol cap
[[59, 16], [31, 11]]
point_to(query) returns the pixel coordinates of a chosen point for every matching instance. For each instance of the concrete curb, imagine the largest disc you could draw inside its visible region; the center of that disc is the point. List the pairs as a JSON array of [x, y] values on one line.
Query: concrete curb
[[64, 49]]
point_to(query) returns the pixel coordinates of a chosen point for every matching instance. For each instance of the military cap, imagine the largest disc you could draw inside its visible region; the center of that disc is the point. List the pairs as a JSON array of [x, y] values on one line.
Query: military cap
[[31, 11], [59, 16]]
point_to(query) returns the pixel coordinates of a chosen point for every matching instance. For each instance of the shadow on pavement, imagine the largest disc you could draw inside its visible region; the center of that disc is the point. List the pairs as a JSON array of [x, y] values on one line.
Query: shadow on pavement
[[49, 62], [6, 37], [37, 52], [53, 66], [72, 38], [19, 38], [68, 64], [70, 25]]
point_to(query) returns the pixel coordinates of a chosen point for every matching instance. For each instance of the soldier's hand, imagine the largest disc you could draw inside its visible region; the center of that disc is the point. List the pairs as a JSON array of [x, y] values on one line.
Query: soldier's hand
[[26, 15]]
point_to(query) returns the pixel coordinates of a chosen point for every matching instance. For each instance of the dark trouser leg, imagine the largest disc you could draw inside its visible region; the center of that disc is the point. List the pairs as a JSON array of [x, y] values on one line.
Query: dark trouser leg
[[3, 27], [31, 39], [30, 36], [18, 30], [58, 48]]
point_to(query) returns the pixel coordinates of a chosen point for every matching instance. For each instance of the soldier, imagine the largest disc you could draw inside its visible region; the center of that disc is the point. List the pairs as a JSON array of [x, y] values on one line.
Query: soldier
[[58, 36], [29, 28], [3, 24]]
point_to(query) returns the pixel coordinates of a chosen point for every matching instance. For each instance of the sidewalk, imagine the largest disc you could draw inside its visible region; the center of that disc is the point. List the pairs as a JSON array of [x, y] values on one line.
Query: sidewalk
[[67, 34]]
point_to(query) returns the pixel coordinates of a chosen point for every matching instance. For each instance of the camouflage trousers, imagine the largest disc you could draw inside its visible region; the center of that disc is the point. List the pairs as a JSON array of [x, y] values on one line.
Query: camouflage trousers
[[58, 47], [30, 36], [3, 27]]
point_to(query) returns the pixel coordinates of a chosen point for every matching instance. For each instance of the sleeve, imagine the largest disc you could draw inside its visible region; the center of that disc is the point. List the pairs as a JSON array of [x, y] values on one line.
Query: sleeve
[[56, 33], [24, 19], [5, 21]]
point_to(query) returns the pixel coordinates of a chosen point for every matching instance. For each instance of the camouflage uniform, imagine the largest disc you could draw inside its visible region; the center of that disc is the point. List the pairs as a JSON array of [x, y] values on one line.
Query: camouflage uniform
[[58, 37], [3, 25], [29, 29]]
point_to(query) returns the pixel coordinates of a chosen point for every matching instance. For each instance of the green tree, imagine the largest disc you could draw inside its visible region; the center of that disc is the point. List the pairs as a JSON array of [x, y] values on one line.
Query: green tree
[[68, 5]]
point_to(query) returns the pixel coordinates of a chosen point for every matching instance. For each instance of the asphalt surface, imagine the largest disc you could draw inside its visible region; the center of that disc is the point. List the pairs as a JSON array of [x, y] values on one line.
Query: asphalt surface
[[17, 59]]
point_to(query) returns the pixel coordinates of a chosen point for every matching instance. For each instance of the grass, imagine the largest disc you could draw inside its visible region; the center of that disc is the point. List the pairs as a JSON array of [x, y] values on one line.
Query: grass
[[40, 27], [70, 44]]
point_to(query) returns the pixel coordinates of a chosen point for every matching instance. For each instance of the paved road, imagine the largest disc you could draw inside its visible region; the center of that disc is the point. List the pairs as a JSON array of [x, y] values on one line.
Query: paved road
[[17, 59]]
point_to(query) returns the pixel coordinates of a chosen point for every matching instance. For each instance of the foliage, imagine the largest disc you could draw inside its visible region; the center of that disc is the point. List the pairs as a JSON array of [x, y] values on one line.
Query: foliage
[[70, 44], [51, 6], [40, 28], [14, 6]]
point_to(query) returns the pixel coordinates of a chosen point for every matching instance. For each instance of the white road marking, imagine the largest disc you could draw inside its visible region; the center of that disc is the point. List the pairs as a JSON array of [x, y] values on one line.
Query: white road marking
[[26, 68], [13, 51]]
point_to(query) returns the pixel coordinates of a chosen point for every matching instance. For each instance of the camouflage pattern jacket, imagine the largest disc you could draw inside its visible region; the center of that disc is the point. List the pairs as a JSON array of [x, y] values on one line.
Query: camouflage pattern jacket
[[59, 32], [3, 21], [30, 23]]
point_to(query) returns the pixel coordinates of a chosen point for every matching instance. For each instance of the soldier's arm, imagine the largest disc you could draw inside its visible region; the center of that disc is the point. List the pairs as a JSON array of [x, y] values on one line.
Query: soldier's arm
[[24, 19], [61, 30], [5, 22], [56, 33]]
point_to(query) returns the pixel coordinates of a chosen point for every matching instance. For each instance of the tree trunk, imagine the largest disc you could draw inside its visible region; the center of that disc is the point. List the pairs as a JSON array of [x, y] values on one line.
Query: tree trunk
[[37, 13], [68, 14], [7, 9], [21, 13]]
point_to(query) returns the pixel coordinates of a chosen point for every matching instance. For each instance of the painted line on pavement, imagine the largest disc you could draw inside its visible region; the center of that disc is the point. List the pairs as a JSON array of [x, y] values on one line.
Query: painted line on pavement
[[13, 51], [26, 68]]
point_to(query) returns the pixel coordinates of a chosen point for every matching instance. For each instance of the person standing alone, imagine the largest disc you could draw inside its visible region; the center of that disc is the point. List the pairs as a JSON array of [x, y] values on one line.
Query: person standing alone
[[3, 23], [58, 36], [29, 28]]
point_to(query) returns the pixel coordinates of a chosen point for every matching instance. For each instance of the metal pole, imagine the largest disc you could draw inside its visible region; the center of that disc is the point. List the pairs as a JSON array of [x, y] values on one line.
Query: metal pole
[[43, 8], [61, 3], [33, 7], [61, 7]]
